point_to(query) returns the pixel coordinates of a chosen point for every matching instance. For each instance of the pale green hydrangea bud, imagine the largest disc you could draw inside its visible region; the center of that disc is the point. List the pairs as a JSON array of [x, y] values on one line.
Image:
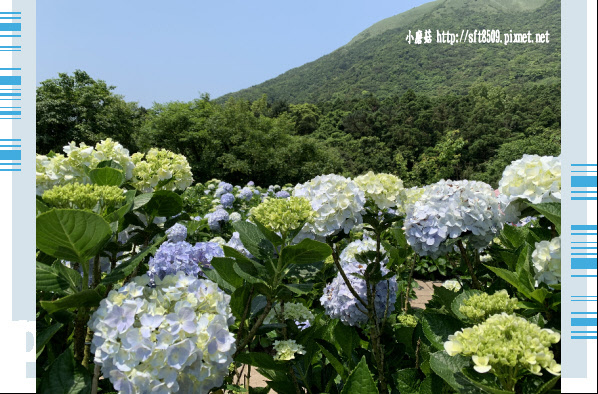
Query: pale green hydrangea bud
[[480, 306], [283, 214], [406, 320], [383, 189], [87, 197], [506, 345], [286, 350]]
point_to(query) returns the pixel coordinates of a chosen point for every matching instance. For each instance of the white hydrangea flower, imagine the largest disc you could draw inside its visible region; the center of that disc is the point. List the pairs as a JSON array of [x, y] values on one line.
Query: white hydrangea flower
[[158, 165], [383, 189], [546, 259], [452, 209], [235, 217], [452, 285], [286, 350], [171, 338], [533, 178], [337, 201], [359, 246]]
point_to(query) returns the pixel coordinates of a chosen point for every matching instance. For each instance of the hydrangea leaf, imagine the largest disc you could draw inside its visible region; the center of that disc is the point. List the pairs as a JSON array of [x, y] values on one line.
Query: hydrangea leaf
[[238, 301], [224, 267], [331, 354], [164, 203], [40, 207], [552, 211], [305, 252], [65, 376], [438, 327], [347, 337], [408, 380], [48, 279], [261, 360], [107, 176], [513, 279], [360, 381], [85, 298], [538, 385], [486, 382], [44, 336], [71, 234], [142, 199], [431, 385], [449, 368], [109, 164], [253, 240]]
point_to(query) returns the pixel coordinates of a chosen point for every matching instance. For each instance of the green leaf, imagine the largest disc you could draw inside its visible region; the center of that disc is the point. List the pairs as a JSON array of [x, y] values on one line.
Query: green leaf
[[107, 176], [254, 241], [43, 337], [215, 277], [85, 298], [40, 207], [486, 382], [70, 234], [239, 300], [164, 203], [347, 337], [408, 381], [524, 264], [514, 235], [537, 385], [243, 272], [305, 252], [540, 295], [552, 212], [261, 360], [330, 352], [300, 288], [460, 300], [513, 279], [438, 327], [109, 164], [224, 267], [47, 279], [141, 200], [360, 381], [449, 368], [431, 385], [235, 254], [65, 376], [269, 234], [127, 267]]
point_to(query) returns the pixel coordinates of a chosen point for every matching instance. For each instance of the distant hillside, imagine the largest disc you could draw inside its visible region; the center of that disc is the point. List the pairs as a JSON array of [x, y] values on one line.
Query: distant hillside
[[379, 59]]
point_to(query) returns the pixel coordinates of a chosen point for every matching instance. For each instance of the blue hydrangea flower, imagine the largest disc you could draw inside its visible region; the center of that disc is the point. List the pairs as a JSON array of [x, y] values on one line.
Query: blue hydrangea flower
[[172, 257], [339, 302], [235, 243], [207, 251], [217, 218], [250, 183], [283, 194], [177, 233], [227, 200], [245, 194]]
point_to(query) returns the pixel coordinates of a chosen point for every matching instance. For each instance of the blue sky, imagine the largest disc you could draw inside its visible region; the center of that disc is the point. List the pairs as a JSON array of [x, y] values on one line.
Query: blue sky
[[158, 51]]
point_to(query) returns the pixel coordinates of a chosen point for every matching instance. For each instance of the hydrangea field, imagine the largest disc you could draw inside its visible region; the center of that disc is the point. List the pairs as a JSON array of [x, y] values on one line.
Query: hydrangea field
[[150, 283]]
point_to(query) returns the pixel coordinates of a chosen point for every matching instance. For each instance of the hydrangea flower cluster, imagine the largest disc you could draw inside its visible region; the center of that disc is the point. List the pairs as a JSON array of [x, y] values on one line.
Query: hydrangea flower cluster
[[406, 320], [297, 312], [505, 342], [359, 246], [177, 233], [282, 194], [385, 190], [235, 217], [245, 194], [533, 178], [170, 338], [410, 197], [227, 200], [479, 307], [546, 260], [283, 214], [72, 167], [159, 165], [223, 188], [337, 201], [286, 350], [339, 302], [217, 219], [78, 196], [450, 209], [452, 285], [172, 257]]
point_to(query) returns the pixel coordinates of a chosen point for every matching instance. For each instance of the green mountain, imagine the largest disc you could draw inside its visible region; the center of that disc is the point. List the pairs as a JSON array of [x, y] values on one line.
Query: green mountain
[[381, 61]]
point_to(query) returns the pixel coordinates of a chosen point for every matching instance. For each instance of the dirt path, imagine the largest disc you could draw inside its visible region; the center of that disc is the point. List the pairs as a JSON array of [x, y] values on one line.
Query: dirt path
[[424, 294]]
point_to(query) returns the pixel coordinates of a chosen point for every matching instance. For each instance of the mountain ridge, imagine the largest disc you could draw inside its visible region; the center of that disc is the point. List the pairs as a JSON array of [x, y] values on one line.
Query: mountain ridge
[[378, 59]]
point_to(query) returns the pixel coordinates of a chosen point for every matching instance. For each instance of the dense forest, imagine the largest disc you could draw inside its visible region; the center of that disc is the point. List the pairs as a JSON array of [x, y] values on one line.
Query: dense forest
[[420, 138]]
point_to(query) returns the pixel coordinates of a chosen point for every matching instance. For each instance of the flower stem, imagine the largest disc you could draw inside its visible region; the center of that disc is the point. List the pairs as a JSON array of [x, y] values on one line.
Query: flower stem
[[474, 279]]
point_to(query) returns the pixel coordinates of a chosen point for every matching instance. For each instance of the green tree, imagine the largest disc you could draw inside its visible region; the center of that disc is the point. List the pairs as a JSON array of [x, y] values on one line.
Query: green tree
[[81, 109]]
